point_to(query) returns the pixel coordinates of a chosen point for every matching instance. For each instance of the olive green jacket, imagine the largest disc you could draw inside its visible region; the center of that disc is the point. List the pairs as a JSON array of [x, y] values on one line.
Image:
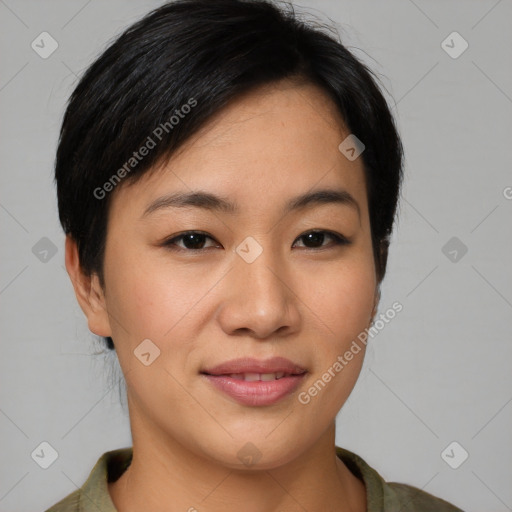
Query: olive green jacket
[[381, 496]]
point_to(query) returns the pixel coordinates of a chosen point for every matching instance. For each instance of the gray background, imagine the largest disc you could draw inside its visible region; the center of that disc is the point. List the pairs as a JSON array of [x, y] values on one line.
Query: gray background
[[439, 372]]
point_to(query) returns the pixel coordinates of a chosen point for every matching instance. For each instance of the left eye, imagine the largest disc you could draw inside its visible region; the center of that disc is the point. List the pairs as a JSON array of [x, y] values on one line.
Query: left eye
[[195, 240], [317, 237]]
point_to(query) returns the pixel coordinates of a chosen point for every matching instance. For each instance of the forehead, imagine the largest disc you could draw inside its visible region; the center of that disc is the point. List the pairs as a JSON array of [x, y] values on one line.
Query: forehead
[[279, 139], [284, 115]]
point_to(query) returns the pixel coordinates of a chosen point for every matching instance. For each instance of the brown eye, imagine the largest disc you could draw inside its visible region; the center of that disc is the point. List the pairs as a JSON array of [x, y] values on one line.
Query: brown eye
[[195, 240], [191, 240], [315, 239]]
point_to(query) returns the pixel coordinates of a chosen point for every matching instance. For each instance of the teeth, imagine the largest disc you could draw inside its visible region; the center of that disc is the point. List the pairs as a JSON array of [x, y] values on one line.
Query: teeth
[[251, 377]]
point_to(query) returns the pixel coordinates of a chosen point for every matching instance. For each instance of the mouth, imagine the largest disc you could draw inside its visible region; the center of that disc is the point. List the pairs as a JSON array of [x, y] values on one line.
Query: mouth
[[255, 377], [256, 383], [275, 366]]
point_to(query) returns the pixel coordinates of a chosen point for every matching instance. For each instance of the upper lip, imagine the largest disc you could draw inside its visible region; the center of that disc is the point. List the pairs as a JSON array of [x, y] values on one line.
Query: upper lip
[[251, 365]]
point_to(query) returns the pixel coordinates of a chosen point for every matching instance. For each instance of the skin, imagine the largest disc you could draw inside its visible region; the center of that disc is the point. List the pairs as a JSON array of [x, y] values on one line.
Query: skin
[[203, 307]]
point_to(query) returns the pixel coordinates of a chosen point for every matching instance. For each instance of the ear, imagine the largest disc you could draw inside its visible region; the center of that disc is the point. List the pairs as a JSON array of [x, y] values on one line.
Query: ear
[[381, 271], [383, 258], [88, 292], [376, 302]]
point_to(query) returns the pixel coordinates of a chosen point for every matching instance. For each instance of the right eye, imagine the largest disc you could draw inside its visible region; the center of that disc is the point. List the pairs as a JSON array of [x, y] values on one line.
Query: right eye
[[192, 241]]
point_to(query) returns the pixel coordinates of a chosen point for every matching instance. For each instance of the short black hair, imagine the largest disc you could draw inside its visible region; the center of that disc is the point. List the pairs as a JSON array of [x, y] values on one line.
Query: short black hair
[[203, 54]]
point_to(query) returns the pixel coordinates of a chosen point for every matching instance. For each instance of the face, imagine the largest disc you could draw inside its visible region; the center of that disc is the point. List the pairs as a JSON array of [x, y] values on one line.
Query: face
[[263, 278]]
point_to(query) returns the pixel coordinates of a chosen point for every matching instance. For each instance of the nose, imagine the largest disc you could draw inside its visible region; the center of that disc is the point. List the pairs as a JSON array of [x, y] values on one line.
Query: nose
[[259, 299]]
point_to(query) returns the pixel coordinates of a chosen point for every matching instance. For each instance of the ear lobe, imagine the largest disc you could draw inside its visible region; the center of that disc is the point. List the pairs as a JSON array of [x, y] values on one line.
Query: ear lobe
[[383, 258], [88, 292], [381, 270], [376, 303]]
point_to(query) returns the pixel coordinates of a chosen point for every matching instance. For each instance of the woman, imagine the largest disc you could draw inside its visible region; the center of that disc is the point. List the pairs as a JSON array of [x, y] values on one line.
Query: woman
[[227, 179]]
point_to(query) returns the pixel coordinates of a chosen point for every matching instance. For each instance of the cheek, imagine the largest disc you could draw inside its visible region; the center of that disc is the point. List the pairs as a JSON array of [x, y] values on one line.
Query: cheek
[[152, 300], [148, 297], [342, 297], [352, 303], [343, 308]]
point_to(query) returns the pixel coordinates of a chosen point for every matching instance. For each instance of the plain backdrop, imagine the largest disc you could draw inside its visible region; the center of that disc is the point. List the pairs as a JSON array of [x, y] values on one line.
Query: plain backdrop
[[438, 373]]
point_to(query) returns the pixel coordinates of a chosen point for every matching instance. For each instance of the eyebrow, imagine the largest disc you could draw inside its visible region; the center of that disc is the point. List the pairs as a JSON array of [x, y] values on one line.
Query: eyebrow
[[212, 202]]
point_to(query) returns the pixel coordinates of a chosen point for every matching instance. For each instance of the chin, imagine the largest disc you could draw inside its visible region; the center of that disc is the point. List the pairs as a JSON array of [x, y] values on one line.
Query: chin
[[253, 453]]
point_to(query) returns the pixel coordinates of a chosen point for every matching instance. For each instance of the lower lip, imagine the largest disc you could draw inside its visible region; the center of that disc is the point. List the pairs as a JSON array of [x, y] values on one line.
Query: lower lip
[[256, 393]]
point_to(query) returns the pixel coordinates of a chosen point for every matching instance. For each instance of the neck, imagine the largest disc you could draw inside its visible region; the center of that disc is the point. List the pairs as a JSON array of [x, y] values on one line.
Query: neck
[[166, 476]]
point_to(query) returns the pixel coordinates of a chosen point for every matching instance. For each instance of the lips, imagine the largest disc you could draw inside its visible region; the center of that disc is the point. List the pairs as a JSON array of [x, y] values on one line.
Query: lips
[[275, 365], [252, 377], [256, 383]]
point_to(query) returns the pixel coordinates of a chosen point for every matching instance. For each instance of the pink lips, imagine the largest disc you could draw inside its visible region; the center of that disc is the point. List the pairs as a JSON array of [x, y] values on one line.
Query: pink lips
[[229, 378]]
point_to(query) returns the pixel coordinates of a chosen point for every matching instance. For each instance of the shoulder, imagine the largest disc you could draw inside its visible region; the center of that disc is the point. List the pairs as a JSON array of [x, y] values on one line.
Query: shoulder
[[70, 503], [385, 496], [412, 499], [94, 496]]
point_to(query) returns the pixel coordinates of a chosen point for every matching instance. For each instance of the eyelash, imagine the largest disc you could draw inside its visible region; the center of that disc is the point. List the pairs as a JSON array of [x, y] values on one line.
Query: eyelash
[[339, 240]]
